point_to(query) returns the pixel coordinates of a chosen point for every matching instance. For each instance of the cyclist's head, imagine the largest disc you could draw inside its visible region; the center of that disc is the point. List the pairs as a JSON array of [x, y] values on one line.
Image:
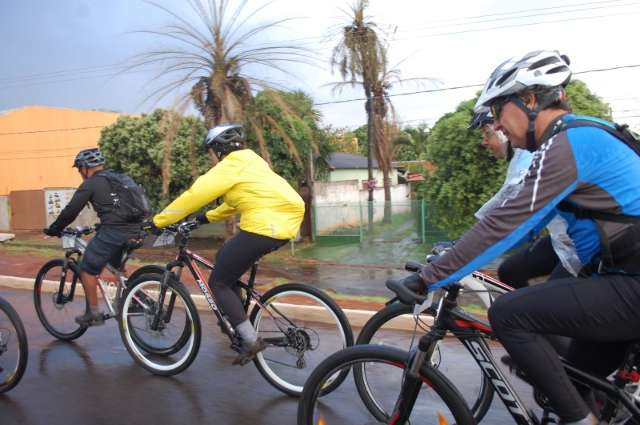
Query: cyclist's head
[[88, 159], [480, 119], [225, 138], [495, 141], [518, 90]]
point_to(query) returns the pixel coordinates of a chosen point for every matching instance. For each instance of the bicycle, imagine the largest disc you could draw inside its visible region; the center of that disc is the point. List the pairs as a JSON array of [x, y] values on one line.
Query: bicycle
[[59, 297], [622, 392], [299, 323], [478, 390], [14, 349]]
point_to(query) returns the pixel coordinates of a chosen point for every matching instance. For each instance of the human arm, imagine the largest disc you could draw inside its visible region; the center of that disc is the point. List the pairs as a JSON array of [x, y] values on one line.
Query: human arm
[[215, 183]]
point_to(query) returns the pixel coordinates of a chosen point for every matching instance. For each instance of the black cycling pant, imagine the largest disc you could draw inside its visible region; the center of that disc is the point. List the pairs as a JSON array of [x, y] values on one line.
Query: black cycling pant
[[234, 258], [601, 313], [535, 260]]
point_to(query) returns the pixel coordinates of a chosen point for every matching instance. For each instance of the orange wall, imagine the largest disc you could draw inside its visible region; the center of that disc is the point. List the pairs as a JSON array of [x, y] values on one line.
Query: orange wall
[[31, 158]]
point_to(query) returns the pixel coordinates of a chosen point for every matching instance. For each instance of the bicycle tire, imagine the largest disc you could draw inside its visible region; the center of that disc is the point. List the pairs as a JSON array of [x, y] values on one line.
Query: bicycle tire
[[390, 356], [479, 407], [159, 351], [334, 313], [23, 349], [160, 364], [39, 295]]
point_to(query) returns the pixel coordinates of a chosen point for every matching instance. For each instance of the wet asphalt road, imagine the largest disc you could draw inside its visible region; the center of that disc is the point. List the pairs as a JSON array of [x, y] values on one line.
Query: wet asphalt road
[[94, 381]]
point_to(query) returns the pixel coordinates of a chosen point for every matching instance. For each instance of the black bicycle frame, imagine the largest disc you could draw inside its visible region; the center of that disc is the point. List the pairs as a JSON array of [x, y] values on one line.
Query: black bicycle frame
[[473, 332], [191, 260]]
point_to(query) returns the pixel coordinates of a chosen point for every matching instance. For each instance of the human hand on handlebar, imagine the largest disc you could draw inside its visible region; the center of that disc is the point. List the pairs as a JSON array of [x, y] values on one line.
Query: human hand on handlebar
[[150, 227], [51, 232]]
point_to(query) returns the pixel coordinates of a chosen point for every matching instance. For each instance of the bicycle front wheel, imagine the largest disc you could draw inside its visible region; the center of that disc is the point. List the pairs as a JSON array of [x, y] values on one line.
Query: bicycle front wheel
[[438, 402], [393, 326], [160, 325], [13, 347], [301, 326], [58, 297]]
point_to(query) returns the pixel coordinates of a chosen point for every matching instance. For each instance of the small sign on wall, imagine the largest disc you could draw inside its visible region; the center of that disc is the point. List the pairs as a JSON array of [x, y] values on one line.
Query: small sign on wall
[[56, 199]]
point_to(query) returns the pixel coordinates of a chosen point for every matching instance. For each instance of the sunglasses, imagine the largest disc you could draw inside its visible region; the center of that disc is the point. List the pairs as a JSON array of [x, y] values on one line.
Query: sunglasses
[[497, 106]]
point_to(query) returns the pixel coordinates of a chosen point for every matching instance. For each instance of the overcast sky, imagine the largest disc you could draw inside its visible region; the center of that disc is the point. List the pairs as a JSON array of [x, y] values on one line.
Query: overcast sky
[[65, 53]]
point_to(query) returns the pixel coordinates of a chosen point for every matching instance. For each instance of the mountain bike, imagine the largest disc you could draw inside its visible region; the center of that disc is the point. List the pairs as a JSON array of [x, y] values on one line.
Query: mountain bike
[[413, 391], [14, 350], [300, 324], [59, 298], [381, 329]]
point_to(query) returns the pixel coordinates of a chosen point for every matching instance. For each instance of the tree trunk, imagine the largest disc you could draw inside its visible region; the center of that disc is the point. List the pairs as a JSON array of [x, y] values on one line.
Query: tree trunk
[[387, 196], [371, 134]]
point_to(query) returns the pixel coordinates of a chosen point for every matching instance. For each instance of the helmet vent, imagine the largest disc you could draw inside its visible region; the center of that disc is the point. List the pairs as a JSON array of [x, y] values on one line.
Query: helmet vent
[[542, 62]]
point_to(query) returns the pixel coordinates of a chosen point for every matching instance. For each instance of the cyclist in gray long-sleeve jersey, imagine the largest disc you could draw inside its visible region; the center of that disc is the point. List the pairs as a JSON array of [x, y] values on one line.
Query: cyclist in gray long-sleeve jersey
[[588, 168]]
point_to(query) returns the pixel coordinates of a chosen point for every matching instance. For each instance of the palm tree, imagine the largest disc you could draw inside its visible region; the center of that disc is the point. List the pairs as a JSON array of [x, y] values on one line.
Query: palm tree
[[411, 143], [359, 57], [209, 58]]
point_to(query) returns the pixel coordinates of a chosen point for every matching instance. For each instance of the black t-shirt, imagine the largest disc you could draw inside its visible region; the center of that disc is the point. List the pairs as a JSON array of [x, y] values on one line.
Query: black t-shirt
[[96, 190]]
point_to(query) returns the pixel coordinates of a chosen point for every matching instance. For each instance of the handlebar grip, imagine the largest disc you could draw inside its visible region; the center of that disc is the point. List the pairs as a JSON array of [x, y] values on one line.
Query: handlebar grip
[[406, 289], [413, 266]]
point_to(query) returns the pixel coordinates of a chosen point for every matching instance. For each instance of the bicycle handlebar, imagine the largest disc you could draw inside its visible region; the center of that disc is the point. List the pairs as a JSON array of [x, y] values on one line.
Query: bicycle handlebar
[[184, 228], [78, 231], [407, 289]]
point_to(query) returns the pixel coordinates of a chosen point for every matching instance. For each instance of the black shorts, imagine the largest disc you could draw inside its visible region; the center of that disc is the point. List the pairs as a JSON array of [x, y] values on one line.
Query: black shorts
[[107, 246]]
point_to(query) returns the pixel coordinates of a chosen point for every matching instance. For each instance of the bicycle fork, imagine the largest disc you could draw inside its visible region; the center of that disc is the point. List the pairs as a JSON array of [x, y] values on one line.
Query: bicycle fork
[[412, 379]]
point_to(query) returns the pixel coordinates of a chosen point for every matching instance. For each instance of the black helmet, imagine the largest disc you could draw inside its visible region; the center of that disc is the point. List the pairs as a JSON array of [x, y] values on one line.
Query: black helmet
[[88, 158], [225, 138], [480, 119]]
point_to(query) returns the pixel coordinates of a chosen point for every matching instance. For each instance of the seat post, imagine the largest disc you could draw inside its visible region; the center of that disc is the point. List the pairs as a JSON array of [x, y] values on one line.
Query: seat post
[[252, 274]]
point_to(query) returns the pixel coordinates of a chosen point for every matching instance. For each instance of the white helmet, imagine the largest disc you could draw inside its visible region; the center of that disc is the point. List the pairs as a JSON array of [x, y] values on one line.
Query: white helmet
[[545, 68]]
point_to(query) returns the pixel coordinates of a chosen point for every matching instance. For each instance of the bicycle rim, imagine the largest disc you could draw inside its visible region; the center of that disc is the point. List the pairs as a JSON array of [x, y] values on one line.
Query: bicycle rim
[[56, 308], [395, 326], [307, 329], [437, 402], [144, 342], [13, 347]]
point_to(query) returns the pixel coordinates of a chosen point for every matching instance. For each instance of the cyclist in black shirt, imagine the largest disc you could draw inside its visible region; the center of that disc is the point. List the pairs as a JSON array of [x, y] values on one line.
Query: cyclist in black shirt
[[113, 233]]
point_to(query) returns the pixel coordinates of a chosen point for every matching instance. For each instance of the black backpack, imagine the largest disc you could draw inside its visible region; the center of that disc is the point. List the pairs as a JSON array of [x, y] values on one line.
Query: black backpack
[[129, 200], [629, 243]]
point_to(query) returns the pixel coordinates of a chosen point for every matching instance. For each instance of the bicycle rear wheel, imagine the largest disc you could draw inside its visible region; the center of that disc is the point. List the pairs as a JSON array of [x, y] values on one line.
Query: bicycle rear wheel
[[438, 401], [383, 328], [58, 298], [302, 326], [160, 325], [14, 351]]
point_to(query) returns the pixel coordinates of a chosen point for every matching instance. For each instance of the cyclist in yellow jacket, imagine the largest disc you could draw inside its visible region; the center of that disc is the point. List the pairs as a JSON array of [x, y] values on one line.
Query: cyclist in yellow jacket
[[271, 212]]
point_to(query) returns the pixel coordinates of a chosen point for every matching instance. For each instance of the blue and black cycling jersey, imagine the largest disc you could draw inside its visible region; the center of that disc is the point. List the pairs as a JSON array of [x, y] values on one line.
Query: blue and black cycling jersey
[[586, 166]]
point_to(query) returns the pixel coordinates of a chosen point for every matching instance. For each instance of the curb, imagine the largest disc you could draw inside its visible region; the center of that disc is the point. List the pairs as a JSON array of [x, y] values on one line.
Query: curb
[[357, 318]]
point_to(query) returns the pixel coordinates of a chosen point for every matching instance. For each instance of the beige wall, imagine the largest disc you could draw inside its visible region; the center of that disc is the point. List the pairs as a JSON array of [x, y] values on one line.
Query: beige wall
[[38, 144]]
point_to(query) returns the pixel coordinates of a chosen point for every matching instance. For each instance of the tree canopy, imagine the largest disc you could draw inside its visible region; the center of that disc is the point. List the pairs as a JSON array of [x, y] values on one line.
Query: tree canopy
[[163, 151], [136, 146]]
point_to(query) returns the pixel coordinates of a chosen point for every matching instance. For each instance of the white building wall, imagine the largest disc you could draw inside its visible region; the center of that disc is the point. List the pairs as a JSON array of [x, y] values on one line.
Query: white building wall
[[342, 205], [5, 213]]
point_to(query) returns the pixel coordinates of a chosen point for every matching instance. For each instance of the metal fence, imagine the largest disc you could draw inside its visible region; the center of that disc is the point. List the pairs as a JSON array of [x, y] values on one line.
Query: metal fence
[[356, 222]]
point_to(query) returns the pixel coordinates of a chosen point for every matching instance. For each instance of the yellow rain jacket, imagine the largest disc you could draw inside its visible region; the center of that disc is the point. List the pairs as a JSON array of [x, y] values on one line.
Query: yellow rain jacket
[[267, 204]]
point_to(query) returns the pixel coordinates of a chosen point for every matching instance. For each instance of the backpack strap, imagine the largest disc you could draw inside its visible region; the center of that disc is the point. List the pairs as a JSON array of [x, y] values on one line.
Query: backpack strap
[[619, 131]]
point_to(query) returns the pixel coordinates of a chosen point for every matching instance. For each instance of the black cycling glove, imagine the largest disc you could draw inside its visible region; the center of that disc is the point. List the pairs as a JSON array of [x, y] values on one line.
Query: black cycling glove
[[51, 232], [201, 218]]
